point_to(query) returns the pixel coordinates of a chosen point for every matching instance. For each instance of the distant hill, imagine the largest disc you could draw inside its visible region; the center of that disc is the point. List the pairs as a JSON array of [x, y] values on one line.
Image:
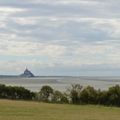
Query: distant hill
[[27, 73]]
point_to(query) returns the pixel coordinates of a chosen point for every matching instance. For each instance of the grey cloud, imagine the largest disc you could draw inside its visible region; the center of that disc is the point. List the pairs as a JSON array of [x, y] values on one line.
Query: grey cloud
[[68, 30], [70, 24], [99, 9]]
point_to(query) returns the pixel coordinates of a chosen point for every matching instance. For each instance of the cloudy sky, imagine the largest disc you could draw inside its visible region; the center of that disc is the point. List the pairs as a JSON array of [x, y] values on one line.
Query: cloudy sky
[[60, 37]]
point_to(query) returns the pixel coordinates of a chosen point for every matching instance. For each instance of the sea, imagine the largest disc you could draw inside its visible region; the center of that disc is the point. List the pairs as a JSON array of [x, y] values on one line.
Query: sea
[[61, 83]]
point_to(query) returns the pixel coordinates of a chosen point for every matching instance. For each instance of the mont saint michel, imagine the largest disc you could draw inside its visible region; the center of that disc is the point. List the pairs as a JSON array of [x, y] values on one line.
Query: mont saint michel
[[27, 73]]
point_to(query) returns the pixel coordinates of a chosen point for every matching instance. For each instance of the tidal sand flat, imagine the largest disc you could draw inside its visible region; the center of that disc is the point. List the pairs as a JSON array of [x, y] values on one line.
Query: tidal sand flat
[[60, 83]]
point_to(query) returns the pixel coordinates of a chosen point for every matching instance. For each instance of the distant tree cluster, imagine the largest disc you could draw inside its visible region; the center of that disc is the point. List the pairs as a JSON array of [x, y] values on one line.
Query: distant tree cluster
[[47, 94], [89, 95], [9, 92], [76, 94]]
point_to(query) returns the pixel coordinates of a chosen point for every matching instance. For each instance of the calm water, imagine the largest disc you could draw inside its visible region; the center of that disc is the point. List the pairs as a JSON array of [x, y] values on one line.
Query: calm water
[[60, 83]]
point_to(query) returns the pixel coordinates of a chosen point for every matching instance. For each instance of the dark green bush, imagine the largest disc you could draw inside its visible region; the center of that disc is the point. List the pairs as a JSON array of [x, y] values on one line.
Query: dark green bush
[[10, 92]]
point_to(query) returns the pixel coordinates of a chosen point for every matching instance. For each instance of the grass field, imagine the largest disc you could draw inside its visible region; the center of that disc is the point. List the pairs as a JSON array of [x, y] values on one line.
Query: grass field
[[21, 110]]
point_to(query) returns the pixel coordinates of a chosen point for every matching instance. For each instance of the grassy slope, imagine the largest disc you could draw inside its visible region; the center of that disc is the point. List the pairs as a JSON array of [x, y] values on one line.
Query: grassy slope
[[20, 110]]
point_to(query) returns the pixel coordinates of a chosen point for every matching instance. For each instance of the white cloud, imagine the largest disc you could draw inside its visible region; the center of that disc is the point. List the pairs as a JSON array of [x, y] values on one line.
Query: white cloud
[[11, 10], [12, 47], [88, 2]]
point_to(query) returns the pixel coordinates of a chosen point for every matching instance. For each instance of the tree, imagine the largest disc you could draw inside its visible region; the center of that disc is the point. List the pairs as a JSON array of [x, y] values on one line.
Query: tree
[[102, 97], [59, 97], [46, 93], [2, 91], [75, 92], [88, 95], [114, 95]]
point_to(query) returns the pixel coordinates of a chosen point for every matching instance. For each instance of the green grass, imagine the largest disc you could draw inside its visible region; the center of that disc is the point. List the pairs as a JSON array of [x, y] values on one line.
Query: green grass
[[21, 110]]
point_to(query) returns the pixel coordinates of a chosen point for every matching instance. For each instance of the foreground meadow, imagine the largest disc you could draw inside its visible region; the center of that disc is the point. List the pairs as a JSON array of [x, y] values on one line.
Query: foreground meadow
[[22, 110]]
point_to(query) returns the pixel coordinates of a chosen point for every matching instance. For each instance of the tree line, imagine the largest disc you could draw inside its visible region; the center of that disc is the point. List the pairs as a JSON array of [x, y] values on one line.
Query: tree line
[[76, 94], [16, 93]]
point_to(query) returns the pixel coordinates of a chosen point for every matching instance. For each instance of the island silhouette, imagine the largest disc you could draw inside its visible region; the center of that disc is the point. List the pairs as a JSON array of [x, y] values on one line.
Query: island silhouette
[[27, 73]]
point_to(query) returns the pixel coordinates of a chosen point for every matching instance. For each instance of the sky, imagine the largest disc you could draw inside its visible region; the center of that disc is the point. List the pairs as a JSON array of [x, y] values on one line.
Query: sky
[[60, 37]]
